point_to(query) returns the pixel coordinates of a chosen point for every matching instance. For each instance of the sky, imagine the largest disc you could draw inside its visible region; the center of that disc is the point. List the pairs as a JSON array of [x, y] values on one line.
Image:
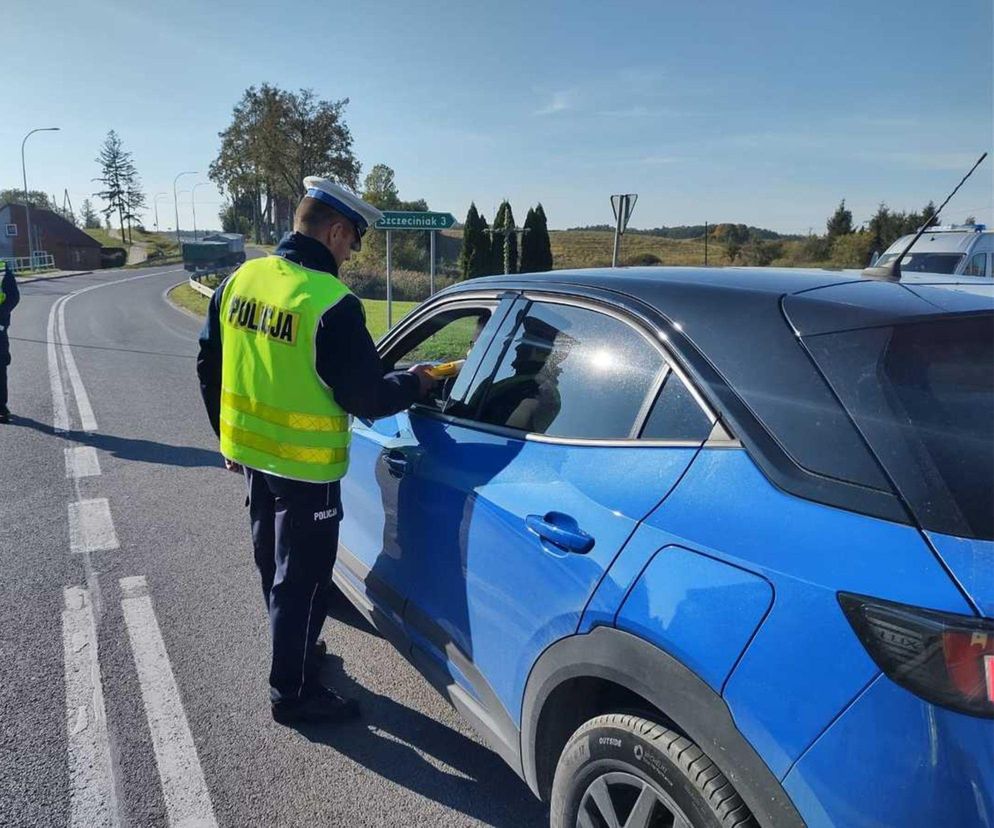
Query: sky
[[763, 113]]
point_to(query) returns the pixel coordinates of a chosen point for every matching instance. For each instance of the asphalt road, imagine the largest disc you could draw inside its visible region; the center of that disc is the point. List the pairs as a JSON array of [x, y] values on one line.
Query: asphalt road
[[145, 703]]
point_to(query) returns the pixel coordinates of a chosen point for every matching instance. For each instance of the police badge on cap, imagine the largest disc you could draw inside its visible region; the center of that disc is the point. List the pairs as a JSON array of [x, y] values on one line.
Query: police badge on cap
[[361, 214]]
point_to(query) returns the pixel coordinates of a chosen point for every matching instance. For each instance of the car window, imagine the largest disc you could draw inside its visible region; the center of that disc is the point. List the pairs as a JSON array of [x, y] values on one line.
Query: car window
[[977, 265], [568, 372], [446, 337], [676, 415]]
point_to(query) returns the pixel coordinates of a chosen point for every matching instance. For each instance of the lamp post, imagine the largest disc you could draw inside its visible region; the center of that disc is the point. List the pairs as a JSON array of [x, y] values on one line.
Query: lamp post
[[155, 206], [193, 205], [24, 172], [176, 204]]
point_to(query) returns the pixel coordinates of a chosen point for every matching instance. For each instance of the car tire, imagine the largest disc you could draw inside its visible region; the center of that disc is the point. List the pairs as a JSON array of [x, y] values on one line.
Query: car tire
[[619, 763]]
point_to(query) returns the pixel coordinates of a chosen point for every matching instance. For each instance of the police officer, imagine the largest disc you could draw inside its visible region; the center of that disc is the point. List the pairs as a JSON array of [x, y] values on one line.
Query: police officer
[[9, 297], [285, 358]]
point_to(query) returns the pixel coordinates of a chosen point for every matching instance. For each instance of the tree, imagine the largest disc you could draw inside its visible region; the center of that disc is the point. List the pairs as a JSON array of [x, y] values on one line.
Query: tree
[[36, 200], [504, 241], [967, 220], [854, 249], [536, 251], [134, 202], [840, 222], [275, 139], [475, 244], [117, 173], [91, 221], [732, 249]]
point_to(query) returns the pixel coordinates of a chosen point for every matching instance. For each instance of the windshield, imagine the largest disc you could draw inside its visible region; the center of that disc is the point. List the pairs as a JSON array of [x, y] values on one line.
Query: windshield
[[923, 396], [925, 262]]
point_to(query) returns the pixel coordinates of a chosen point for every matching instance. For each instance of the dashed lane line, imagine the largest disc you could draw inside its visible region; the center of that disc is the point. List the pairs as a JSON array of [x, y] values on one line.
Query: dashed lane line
[[93, 802], [91, 528], [81, 461], [184, 788]]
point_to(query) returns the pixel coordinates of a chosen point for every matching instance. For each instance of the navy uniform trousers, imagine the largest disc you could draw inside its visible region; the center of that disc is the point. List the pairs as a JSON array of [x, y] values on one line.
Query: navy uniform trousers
[[295, 537], [4, 362]]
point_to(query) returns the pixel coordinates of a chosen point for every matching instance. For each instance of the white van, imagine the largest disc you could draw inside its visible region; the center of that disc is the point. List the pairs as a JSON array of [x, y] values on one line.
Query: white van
[[963, 250]]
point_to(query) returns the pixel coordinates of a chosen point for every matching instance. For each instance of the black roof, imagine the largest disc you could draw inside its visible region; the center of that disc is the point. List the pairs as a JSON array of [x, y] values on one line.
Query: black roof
[[736, 330]]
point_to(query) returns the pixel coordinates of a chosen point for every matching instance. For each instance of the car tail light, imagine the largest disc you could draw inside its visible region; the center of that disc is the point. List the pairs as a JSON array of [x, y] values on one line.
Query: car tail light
[[943, 658]]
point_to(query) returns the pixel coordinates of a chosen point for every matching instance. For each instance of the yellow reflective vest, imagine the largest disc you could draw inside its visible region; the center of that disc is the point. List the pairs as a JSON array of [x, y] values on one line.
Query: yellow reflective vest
[[277, 415]]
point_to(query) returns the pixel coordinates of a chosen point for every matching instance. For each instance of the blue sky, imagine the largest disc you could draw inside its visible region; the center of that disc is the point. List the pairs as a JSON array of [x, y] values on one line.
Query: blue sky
[[765, 113]]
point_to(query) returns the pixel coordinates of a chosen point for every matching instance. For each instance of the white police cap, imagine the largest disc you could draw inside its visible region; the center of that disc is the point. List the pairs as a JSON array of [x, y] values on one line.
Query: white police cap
[[348, 204]]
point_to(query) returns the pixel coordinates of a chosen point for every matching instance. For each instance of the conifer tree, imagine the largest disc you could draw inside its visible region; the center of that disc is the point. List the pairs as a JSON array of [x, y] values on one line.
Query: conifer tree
[[543, 245]]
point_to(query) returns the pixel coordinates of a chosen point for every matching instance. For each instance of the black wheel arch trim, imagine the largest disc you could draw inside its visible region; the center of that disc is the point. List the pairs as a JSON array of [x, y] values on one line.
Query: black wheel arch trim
[[685, 699]]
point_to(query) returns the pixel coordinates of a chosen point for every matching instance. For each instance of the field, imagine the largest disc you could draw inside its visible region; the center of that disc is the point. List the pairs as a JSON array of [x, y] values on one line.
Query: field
[[376, 310]]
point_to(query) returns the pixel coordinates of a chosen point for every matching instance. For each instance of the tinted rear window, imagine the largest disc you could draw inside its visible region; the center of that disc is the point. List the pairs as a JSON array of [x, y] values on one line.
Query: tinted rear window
[[923, 395]]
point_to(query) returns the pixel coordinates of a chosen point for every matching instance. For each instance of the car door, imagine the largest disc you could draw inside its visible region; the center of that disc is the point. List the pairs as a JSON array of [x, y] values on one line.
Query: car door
[[374, 540], [527, 486]]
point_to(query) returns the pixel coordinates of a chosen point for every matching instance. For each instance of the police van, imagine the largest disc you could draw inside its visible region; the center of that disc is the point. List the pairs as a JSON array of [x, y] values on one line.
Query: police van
[[960, 249]]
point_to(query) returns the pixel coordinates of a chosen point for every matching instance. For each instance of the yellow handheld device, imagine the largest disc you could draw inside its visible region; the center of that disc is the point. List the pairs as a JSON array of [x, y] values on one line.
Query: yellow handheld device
[[446, 369]]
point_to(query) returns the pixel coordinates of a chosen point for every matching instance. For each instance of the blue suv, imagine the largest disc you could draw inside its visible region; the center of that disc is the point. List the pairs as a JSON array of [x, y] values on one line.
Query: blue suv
[[695, 547]]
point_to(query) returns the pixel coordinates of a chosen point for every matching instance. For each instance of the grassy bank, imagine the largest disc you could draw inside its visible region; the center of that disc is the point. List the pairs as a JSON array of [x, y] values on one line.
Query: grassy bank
[[376, 310]]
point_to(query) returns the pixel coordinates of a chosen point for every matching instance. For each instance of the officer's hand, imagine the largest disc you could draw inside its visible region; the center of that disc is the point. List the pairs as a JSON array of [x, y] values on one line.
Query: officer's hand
[[232, 467], [425, 377]]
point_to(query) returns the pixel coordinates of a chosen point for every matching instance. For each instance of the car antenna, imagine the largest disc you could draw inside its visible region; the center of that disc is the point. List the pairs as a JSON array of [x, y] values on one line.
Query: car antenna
[[891, 272]]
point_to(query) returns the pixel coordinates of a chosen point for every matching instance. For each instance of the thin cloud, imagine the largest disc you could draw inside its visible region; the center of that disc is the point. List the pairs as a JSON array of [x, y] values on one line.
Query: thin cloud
[[561, 102]]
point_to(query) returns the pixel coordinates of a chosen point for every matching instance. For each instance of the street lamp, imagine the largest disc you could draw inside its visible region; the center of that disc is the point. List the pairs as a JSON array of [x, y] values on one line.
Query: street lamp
[[193, 204], [24, 172], [155, 206], [176, 204]]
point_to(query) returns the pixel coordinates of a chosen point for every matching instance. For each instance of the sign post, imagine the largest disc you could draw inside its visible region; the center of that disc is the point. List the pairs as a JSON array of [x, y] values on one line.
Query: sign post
[[431, 259], [411, 220], [623, 206]]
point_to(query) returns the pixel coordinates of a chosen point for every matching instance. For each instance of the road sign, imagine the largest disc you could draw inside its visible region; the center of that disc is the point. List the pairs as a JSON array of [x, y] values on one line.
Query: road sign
[[623, 206], [626, 204], [411, 220]]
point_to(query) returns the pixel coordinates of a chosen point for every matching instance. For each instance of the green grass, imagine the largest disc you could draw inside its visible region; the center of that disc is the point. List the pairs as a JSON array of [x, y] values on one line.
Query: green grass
[[376, 310]]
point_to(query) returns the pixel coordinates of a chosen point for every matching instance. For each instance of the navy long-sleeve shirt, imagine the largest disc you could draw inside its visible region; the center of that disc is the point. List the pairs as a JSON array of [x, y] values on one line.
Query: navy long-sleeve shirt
[[346, 358], [11, 296]]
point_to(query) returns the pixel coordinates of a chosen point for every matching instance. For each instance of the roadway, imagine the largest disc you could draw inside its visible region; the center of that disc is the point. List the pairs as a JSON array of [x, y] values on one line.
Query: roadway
[[133, 640]]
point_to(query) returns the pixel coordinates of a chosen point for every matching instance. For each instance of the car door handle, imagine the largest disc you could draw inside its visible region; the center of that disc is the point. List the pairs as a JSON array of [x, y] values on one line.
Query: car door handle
[[561, 531], [396, 462]]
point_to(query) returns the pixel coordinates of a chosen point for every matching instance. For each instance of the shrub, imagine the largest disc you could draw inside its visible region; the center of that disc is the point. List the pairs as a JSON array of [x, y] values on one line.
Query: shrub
[[853, 249]]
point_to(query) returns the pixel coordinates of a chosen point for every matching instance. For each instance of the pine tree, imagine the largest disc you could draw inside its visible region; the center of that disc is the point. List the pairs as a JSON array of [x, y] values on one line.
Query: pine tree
[[91, 221], [116, 172], [528, 240], [470, 253], [840, 222], [483, 260], [504, 249], [544, 245]]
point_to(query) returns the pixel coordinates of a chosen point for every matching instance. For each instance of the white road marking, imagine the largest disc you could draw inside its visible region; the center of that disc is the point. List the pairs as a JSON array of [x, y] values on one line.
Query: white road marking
[[87, 421], [91, 528], [60, 414], [60, 418], [93, 802], [184, 789], [81, 461]]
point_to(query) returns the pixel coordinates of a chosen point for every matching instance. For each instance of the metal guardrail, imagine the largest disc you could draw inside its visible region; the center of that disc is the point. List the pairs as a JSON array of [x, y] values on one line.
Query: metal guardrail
[[38, 261], [200, 288]]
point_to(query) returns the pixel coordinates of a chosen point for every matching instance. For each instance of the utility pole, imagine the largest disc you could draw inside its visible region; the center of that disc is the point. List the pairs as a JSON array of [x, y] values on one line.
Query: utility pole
[[24, 172], [193, 205], [705, 244], [155, 206], [179, 243]]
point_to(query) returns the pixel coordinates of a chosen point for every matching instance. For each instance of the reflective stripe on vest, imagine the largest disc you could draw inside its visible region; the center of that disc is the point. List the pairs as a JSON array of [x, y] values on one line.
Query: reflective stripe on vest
[[276, 413]]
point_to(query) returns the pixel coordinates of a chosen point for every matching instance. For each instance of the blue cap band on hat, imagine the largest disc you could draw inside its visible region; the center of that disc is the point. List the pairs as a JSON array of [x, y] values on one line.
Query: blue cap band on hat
[[341, 206]]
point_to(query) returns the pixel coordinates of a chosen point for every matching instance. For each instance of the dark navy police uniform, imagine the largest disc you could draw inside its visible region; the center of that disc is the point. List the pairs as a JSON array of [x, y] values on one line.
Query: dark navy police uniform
[[11, 296], [295, 524]]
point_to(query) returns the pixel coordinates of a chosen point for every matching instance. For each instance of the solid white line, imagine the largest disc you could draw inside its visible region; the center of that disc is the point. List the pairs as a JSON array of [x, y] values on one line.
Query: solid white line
[[60, 415], [60, 418], [92, 798], [81, 461], [184, 789], [87, 421], [91, 528]]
